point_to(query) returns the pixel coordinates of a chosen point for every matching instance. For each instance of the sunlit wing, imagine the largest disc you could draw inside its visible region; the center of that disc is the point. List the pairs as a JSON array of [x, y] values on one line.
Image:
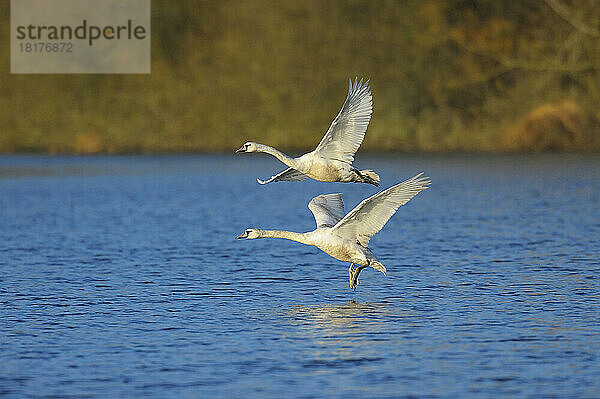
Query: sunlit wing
[[327, 209], [347, 131], [368, 217], [289, 174]]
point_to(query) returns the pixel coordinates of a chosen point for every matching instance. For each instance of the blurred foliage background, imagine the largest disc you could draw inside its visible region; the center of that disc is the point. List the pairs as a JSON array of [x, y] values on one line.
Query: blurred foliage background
[[451, 75]]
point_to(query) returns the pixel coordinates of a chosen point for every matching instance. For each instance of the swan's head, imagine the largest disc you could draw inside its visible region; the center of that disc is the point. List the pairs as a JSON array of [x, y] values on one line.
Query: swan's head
[[250, 146], [250, 234]]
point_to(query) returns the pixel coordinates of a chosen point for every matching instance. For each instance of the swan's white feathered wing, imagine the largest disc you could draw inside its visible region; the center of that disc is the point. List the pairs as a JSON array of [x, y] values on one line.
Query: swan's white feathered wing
[[368, 217], [328, 209], [347, 131], [290, 174]]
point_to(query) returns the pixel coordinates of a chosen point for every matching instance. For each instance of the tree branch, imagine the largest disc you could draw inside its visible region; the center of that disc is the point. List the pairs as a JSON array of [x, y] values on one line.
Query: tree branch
[[566, 14]]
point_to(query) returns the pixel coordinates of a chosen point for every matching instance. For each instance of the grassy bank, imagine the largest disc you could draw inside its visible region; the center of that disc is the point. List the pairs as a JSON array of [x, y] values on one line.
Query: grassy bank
[[446, 76]]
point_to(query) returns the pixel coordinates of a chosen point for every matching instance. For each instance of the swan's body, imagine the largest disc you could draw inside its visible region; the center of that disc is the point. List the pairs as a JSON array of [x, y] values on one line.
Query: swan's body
[[332, 160], [346, 238]]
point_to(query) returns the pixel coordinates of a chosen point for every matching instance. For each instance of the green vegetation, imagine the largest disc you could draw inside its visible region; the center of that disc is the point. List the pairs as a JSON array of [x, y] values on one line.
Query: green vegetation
[[446, 76]]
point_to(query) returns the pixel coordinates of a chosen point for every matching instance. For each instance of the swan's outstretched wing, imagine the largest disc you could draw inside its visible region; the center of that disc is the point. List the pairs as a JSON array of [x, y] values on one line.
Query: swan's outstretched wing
[[347, 130], [289, 174], [368, 217], [328, 209]]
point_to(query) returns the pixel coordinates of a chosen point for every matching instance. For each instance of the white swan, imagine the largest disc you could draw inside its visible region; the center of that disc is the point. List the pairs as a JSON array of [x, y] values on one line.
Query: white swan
[[332, 160], [347, 237]]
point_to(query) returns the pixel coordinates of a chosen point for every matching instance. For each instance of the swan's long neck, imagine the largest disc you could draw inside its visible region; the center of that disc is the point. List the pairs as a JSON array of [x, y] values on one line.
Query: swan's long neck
[[288, 235], [289, 161]]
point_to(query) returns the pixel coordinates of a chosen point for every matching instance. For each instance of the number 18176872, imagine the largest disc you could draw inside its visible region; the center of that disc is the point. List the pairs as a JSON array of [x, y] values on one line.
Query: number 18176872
[[45, 47]]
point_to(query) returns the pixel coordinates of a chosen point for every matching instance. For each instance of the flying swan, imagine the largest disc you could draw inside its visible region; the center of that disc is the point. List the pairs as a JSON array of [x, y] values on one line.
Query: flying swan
[[347, 237], [332, 160]]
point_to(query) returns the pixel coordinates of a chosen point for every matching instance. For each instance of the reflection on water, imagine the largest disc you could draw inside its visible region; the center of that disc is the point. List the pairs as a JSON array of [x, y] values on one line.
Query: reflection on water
[[344, 336], [345, 322], [121, 278], [338, 315], [350, 318]]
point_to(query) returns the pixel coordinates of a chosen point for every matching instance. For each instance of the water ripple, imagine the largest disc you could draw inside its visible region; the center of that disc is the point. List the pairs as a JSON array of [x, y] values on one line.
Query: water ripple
[[121, 278]]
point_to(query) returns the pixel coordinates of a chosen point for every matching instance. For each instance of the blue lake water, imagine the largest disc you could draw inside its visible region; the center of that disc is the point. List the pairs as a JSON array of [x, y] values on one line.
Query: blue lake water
[[120, 277]]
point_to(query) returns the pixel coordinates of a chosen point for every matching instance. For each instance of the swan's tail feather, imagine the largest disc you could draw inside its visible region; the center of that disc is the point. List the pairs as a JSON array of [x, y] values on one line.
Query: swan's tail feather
[[375, 264], [368, 176]]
